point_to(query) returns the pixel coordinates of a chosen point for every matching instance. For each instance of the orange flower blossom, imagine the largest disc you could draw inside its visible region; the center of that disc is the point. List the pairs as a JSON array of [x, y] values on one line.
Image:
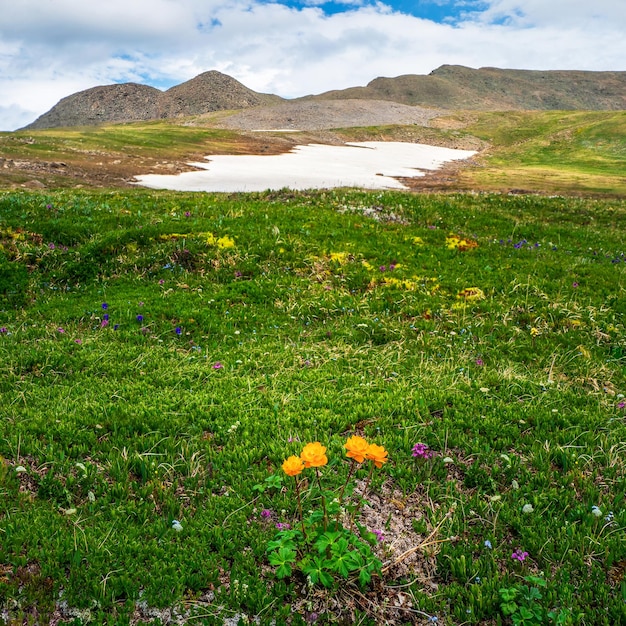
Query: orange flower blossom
[[375, 453], [356, 448], [314, 455], [293, 465]]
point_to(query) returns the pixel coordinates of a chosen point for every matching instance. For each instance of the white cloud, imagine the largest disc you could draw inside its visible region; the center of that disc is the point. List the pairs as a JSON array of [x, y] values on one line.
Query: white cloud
[[50, 49], [598, 14]]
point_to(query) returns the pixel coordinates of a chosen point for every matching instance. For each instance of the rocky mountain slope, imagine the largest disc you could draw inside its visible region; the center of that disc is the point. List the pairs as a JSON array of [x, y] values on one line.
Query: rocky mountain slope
[[130, 102], [493, 89], [448, 87]]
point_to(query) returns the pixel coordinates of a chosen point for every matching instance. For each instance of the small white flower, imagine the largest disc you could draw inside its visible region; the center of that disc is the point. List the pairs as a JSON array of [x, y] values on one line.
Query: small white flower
[[176, 525], [596, 512], [447, 460], [20, 469], [527, 508]]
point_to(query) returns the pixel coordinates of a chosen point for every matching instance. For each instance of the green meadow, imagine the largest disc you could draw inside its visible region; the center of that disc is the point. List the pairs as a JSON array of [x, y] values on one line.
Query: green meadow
[[162, 354]]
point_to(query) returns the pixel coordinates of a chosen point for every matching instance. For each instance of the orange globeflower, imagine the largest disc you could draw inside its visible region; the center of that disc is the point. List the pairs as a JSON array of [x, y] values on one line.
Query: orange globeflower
[[292, 466], [357, 448], [314, 455], [378, 454]]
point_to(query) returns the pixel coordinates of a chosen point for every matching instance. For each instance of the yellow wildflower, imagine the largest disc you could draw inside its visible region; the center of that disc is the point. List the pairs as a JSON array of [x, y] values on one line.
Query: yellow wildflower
[[314, 455], [225, 242], [378, 454], [293, 465], [357, 448], [339, 257], [471, 293], [462, 244]]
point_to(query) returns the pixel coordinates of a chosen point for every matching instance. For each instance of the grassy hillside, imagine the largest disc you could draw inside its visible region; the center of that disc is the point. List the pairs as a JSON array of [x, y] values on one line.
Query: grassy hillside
[[163, 354], [557, 152]]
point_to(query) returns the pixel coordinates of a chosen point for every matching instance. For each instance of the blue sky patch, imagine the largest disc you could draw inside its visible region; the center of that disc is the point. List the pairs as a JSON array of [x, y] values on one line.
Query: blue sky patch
[[448, 11]]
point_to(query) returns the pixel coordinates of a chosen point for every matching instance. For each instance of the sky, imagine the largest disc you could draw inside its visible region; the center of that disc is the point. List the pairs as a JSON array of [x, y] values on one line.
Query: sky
[[50, 49]]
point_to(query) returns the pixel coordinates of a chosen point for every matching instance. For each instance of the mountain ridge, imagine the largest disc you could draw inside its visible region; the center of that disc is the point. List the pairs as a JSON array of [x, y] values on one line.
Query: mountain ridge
[[449, 87]]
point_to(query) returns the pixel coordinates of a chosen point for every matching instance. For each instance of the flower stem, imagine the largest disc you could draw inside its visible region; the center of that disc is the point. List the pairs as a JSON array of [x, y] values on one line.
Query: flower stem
[[369, 478], [300, 507], [319, 482], [352, 468]]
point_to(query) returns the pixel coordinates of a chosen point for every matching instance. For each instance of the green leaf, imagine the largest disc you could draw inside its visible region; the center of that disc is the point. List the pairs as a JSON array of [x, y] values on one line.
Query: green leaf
[[525, 613], [364, 577], [508, 593], [283, 571], [326, 541], [508, 608], [275, 481], [282, 556], [339, 547], [538, 581], [326, 579], [340, 566]]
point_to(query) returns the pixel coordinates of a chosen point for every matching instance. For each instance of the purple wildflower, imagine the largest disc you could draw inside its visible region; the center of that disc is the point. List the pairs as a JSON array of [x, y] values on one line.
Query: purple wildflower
[[105, 306], [520, 556], [178, 330], [282, 526], [60, 330], [380, 537], [217, 366], [382, 268], [3, 330], [105, 317], [479, 362], [51, 246], [266, 514], [421, 450], [140, 318], [104, 323]]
